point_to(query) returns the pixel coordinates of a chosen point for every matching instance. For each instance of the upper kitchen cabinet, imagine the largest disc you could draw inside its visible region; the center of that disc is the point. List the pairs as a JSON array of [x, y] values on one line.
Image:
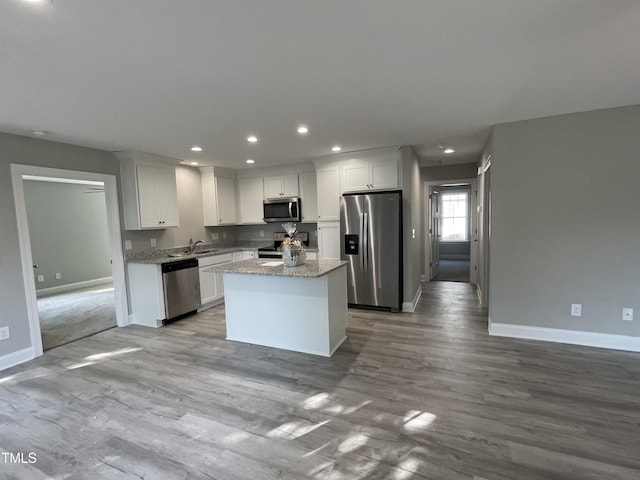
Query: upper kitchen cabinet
[[251, 196], [371, 170], [309, 197], [149, 190], [218, 196], [328, 185], [281, 186]]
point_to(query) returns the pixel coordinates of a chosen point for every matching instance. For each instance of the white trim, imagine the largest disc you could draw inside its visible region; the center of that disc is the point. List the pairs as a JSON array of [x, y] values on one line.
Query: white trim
[[573, 337], [113, 224], [423, 278], [16, 358], [410, 307], [73, 286]]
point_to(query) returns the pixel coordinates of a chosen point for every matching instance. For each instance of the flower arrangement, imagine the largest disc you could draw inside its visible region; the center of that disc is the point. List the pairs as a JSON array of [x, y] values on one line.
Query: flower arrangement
[[292, 248]]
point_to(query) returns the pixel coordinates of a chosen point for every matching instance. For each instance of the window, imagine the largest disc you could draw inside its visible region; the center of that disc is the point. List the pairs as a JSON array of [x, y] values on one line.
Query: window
[[455, 217]]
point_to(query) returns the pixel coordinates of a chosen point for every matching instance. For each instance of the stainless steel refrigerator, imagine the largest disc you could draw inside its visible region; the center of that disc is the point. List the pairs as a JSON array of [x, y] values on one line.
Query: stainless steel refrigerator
[[371, 241]]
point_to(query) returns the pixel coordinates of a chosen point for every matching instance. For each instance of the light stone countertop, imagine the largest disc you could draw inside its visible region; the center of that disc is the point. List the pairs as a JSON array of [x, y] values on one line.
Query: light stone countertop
[[264, 266], [167, 259], [158, 257]]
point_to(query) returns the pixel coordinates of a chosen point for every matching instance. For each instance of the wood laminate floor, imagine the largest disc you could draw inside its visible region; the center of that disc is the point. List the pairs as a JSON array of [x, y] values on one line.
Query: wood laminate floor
[[423, 395]]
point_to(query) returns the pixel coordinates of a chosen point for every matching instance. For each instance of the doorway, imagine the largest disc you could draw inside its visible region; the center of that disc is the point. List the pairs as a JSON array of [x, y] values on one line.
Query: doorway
[[72, 259], [452, 234], [116, 262]]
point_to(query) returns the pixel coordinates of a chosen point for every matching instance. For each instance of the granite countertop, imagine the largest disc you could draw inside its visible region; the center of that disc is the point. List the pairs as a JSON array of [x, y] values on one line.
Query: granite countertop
[[274, 267], [162, 257]]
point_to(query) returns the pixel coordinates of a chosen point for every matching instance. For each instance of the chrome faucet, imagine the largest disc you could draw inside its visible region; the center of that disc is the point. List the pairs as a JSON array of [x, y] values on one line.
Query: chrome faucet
[[192, 245]]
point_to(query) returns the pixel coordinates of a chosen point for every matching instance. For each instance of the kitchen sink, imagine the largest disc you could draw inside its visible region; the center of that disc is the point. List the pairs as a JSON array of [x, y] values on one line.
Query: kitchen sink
[[178, 255], [208, 250]]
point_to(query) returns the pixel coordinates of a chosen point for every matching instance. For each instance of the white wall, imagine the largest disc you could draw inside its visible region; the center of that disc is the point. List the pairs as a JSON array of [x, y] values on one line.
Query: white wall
[[565, 223]]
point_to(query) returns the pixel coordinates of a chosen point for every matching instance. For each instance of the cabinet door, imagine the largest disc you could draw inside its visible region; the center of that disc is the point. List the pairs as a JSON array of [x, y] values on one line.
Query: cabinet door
[[384, 175], [290, 186], [208, 288], [328, 194], [309, 197], [237, 256], [157, 197], [226, 196], [356, 176], [251, 195], [329, 241], [273, 187], [167, 197], [148, 197]]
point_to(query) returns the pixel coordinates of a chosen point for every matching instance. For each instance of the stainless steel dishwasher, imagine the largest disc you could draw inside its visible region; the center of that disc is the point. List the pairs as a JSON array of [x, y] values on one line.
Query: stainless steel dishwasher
[[181, 288]]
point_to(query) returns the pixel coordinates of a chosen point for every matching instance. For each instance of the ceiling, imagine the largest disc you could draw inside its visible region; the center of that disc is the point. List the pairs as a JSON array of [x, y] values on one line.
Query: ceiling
[[162, 75]]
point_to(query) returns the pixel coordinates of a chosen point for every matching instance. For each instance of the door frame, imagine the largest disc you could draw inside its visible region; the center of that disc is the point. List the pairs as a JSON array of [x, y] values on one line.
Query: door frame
[[473, 263], [113, 225]]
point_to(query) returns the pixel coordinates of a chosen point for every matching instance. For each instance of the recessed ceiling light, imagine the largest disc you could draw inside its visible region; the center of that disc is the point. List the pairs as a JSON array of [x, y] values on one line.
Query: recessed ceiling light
[[302, 129], [193, 163], [196, 148], [336, 148], [252, 139], [251, 161], [449, 150], [39, 133]]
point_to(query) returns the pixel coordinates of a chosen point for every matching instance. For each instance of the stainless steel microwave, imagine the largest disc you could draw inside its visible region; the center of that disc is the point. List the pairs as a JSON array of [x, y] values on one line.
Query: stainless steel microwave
[[281, 210]]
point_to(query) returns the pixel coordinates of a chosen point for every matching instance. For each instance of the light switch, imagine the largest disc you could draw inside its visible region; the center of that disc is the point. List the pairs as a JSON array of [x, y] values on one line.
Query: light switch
[[127, 244], [153, 243]]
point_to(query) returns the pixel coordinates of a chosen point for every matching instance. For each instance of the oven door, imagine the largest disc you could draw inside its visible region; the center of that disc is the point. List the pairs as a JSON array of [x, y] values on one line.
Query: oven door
[[281, 210]]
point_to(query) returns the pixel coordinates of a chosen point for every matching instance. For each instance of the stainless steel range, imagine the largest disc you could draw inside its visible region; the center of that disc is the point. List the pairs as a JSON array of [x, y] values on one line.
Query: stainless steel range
[[276, 250]]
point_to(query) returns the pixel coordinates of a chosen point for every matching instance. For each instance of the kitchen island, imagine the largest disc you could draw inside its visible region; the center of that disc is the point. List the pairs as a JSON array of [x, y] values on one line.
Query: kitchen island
[[301, 308]]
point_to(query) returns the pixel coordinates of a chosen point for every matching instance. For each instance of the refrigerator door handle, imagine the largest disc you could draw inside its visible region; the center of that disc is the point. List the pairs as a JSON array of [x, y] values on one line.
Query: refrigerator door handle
[[365, 241]]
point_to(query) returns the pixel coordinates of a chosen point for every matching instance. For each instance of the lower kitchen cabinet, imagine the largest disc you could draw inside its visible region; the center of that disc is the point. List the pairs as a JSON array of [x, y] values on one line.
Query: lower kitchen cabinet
[[211, 284]]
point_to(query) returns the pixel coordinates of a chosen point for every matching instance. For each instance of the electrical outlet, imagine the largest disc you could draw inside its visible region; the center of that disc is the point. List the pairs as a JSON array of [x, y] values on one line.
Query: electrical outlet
[[40, 278], [127, 244], [4, 333], [224, 234], [58, 276], [153, 243], [215, 236], [576, 310], [627, 314]]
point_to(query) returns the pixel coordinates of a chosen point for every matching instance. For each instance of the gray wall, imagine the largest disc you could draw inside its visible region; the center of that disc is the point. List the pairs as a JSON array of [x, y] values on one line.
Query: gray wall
[[191, 217], [29, 151], [412, 223], [68, 232], [565, 222], [449, 172]]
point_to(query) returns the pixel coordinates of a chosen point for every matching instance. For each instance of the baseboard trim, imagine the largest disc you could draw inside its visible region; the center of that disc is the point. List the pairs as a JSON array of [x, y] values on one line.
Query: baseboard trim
[[16, 358], [572, 337], [73, 286], [410, 307]]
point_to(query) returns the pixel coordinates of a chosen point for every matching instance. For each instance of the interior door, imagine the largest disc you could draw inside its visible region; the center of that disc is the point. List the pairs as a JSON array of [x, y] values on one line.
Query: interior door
[[434, 232]]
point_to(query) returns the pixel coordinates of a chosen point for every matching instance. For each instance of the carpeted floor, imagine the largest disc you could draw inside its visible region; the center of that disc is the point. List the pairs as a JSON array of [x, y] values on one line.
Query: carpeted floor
[[68, 316], [453, 271]]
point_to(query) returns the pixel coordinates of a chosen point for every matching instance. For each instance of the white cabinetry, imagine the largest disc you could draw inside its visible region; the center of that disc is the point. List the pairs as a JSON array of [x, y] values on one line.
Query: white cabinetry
[[365, 174], [247, 254], [328, 185], [328, 240], [251, 195], [149, 191], [309, 197], [281, 186], [218, 196], [211, 283]]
